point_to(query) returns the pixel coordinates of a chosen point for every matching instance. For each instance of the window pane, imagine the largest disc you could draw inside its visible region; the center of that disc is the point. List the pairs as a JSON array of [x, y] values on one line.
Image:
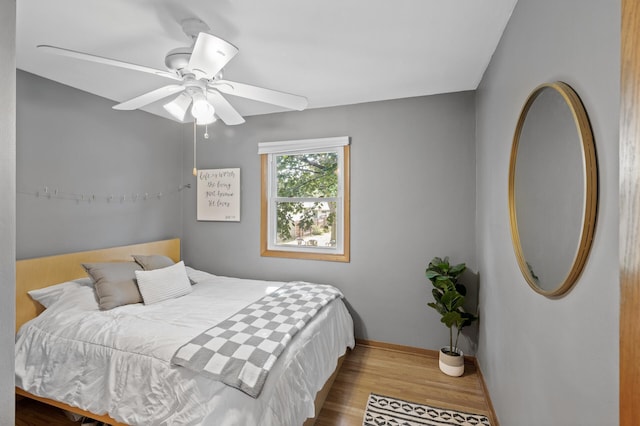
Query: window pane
[[305, 202], [307, 175], [309, 224]]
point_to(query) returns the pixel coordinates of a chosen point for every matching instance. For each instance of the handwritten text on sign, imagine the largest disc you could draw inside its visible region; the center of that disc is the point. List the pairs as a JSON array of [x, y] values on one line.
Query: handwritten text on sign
[[219, 194]]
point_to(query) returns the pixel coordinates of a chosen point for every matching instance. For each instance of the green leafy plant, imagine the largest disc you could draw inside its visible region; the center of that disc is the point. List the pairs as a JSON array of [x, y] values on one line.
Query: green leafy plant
[[449, 297]]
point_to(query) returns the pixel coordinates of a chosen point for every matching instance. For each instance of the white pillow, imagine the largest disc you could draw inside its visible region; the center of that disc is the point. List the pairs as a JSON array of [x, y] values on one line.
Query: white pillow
[[47, 296], [162, 284]]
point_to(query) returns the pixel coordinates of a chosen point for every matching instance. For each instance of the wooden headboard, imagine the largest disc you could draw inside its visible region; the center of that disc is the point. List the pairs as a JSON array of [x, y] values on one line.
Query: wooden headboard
[[42, 272]]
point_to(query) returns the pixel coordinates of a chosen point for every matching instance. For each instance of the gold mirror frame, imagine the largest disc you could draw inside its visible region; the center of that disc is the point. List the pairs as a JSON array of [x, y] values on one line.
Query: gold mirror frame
[[585, 134]]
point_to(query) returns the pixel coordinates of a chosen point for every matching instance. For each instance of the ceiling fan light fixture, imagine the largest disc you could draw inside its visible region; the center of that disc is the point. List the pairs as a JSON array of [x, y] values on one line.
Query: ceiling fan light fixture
[[206, 120], [201, 109], [179, 106]]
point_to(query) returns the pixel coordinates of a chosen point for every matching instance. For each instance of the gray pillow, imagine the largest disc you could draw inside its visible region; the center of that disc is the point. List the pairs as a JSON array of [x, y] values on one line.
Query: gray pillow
[[154, 261], [115, 283]]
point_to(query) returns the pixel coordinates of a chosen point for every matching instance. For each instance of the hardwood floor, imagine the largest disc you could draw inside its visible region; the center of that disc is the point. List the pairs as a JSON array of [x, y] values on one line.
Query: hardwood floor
[[367, 369], [413, 377]]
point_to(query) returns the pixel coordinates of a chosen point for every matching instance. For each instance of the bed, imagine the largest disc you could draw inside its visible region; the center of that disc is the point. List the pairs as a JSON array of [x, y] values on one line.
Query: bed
[[118, 365]]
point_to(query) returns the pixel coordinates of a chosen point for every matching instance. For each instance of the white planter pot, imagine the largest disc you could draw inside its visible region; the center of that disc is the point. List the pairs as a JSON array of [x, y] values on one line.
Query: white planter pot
[[451, 365]]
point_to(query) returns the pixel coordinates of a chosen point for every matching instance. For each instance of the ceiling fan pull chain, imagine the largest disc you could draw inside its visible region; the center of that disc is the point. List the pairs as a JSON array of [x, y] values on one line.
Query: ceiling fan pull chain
[[195, 133]]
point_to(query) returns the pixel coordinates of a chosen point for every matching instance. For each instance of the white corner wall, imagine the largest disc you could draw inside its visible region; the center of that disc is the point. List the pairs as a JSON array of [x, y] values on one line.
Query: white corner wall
[[8, 209], [549, 362]]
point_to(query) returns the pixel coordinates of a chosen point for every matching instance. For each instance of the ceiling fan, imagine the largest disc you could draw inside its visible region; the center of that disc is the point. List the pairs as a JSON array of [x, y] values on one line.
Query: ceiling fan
[[197, 70]]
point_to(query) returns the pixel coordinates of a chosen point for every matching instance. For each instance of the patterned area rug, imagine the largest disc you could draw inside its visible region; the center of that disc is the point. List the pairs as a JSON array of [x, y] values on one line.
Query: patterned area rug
[[387, 411]]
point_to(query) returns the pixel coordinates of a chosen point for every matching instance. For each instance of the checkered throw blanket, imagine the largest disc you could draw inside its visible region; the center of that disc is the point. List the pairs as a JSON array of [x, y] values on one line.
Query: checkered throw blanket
[[241, 350]]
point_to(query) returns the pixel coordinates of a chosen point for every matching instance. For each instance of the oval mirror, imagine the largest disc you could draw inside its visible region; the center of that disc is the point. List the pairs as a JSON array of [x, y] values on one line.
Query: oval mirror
[[553, 189]]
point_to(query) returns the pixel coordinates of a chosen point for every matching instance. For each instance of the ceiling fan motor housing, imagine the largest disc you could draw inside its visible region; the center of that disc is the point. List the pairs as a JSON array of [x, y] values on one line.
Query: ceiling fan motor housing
[[178, 59]]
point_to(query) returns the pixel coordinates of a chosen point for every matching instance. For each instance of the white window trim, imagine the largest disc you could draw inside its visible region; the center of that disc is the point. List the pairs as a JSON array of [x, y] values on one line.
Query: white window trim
[[269, 247], [303, 145]]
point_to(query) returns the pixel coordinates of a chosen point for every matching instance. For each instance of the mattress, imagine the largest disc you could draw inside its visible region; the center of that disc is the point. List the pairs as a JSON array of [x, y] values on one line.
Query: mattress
[[118, 362]]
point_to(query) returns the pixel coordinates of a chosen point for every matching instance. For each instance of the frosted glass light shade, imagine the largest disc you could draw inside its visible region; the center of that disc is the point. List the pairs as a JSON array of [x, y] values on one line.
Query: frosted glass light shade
[[179, 106], [207, 120], [201, 108]]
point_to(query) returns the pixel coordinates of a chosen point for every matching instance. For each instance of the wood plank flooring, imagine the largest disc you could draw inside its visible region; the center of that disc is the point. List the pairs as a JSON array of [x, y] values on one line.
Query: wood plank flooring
[[383, 370], [410, 376]]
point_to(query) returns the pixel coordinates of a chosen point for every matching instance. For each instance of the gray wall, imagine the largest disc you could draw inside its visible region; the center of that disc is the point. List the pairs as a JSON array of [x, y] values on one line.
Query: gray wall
[[8, 210], [549, 362], [76, 143], [412, 198]]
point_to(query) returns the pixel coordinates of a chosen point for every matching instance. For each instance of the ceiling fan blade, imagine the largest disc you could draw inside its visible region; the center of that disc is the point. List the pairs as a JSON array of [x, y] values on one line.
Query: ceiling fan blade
[[223, 109], [210, 54], [256, 93], [149, 97], [107, 61]]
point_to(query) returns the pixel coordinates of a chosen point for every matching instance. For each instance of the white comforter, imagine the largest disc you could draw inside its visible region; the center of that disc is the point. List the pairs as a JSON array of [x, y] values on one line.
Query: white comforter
[[117, 362]]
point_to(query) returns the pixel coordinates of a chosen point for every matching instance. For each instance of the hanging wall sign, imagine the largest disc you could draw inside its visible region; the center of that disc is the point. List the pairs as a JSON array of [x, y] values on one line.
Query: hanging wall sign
[[219, 195]]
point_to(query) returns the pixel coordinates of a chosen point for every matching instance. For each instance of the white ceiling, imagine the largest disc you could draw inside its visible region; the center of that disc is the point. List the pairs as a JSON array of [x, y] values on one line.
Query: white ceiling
[[334, 52]]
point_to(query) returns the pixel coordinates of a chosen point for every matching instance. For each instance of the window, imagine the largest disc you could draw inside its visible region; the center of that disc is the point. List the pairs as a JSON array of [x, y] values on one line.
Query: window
[[305, 199]]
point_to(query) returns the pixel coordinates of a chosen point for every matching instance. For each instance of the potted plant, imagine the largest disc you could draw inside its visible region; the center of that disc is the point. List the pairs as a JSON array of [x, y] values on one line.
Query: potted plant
[[449, 297]]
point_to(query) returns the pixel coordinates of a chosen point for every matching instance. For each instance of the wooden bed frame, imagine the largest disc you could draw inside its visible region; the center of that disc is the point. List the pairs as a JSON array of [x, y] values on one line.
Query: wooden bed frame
[[42, 272]]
